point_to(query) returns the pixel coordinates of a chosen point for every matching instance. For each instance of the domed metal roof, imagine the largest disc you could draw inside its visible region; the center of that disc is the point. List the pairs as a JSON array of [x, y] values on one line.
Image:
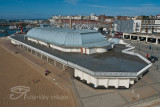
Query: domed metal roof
[[68, 37]]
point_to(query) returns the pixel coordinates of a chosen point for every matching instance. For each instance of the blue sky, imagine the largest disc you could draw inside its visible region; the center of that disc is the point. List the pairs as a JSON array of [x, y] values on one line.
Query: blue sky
[[11, 9]]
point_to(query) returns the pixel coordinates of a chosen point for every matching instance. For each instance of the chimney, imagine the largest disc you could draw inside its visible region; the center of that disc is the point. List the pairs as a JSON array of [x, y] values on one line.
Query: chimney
[[21, 30], [70, 21]]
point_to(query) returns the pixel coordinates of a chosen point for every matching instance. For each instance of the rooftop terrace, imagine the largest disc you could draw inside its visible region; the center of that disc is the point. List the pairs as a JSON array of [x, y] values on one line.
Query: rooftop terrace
[[111, 61]]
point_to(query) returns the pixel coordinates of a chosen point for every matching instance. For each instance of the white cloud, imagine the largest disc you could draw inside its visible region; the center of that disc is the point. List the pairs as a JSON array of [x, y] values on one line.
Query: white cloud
[[98, 6], [71, 1], [144, 8], [148, 10], [147, 4]]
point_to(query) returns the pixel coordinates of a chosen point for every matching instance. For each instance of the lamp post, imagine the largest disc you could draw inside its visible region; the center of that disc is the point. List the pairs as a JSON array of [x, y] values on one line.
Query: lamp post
[[139, 47]]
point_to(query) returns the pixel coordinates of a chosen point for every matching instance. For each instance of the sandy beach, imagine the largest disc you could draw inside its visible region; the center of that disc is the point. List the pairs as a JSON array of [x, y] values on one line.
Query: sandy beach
[[16, 71]]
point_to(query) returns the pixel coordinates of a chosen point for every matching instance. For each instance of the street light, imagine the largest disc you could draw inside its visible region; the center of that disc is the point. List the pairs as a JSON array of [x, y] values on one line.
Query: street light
[[139, 47]]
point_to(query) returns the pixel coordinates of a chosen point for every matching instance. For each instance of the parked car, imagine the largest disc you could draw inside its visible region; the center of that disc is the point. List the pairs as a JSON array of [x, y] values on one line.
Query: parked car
[[153, 59]]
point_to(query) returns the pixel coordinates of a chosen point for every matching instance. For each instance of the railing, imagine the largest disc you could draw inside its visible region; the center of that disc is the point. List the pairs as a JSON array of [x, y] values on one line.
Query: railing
[[128, 51]]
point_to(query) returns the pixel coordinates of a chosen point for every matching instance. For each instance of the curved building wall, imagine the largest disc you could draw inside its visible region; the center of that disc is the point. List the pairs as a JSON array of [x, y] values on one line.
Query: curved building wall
[[78, 50]]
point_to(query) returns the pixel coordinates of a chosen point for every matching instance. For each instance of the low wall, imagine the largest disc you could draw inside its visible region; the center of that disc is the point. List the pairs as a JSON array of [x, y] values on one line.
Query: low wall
[[129, 51], [65, 49]]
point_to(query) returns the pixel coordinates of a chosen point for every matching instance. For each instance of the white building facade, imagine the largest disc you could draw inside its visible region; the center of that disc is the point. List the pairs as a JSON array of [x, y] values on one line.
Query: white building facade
[[127, 26]]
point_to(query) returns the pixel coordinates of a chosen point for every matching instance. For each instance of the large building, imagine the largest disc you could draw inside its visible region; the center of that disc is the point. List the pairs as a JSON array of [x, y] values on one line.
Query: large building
[[92, 58], [70, 40], [127, 26], [137, 26], [150, 26]]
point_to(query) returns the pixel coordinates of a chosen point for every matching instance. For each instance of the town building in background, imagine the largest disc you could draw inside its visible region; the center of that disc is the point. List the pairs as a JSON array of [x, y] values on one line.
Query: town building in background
[[127, 26], [142, 24], [150, 26], [92, 22]]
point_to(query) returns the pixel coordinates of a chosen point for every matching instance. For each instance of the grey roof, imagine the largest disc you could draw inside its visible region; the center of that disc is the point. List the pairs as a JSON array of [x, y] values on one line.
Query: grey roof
[[112, 63], [68, 37]]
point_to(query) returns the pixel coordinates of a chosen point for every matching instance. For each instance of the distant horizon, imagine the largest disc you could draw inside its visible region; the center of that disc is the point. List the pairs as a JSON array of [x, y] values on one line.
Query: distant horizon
[[44, 9], [64, 15]]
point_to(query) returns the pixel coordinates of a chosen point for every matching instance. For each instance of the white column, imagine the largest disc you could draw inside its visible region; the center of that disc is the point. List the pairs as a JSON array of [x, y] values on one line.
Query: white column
[[41, 55], [131, 81], [127, 86], [63, 67], [117, 85], [82, 75], [54, 63], [106, 85], [47, 58], [96, 83], [75, 73], [146, 39], [137, 38], [123, 36], [156, 40], [89, 79]]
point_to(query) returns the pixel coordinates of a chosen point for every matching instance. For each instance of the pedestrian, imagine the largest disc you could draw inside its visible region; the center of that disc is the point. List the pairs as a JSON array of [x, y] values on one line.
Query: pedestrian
[[33, 81], [147, 56], [46, 72]]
